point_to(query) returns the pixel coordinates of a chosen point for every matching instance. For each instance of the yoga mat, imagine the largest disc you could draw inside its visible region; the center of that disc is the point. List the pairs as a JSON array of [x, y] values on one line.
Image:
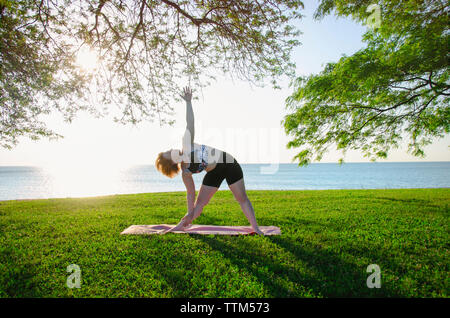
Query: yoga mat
[[200, 229]]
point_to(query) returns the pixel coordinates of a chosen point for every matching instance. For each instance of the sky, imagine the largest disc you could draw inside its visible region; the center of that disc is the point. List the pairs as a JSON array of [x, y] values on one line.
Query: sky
[[230, 115]]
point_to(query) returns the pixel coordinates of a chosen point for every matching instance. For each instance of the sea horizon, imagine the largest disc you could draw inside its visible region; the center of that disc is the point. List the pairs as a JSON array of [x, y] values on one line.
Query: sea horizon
[[252, 163], [39, 182]]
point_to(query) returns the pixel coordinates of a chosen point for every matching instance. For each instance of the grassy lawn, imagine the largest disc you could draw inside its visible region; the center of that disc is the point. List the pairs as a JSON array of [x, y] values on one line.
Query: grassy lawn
[[328, 240]]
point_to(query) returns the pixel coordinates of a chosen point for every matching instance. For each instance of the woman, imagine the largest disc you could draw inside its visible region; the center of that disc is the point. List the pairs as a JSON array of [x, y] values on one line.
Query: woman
[[218, 165]]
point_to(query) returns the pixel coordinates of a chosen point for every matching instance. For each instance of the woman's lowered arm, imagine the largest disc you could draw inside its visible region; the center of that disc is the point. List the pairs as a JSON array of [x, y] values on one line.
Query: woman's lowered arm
[[190, 197], [190, 191]]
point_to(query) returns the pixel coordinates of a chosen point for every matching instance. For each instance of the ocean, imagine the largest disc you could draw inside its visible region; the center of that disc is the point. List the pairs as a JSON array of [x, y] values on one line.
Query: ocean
[[27, 182]]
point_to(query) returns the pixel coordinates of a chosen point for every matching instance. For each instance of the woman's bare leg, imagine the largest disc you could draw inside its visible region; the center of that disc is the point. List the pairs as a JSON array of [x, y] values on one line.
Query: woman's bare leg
[[238, 189]]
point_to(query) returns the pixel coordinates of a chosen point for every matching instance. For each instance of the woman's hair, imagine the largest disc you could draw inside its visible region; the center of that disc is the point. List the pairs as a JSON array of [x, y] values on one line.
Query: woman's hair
[[166, 166]]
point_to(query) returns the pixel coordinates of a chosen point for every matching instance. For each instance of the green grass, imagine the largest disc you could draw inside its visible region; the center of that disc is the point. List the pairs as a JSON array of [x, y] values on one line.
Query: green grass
[[328, 240]]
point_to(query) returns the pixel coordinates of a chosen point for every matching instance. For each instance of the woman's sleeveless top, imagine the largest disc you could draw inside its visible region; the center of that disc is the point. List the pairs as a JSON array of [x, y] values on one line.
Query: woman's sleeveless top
[[200, 157]]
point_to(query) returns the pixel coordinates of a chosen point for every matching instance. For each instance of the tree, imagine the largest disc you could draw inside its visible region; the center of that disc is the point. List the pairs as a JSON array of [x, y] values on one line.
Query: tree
[[147, 49], [397, 87]]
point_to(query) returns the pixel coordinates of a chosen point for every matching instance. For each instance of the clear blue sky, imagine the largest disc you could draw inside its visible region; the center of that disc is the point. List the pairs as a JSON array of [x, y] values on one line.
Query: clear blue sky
[[231, 116]]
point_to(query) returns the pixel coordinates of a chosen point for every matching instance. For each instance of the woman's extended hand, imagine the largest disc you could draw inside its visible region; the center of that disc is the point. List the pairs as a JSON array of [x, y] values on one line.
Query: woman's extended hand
[[179, 227], [187, 94]]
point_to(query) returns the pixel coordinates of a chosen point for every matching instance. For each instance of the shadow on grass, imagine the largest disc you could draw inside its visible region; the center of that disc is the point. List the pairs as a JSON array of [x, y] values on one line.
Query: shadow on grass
[[19, 282], [322, 273], [340, 278], [413, 201], [246, 256]]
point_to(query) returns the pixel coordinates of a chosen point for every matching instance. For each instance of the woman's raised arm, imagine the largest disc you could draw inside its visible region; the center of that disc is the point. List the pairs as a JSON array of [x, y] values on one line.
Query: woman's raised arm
[[190, 125]]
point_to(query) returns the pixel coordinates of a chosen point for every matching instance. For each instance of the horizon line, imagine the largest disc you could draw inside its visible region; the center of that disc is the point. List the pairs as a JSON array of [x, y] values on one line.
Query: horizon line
[[266, 163]]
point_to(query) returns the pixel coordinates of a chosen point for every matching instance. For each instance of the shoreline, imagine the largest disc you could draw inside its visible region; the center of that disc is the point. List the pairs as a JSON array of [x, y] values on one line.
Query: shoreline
[[221, 190]]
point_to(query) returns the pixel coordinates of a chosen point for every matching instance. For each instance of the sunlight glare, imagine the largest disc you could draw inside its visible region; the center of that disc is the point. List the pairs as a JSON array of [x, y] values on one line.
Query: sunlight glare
[[87, 59], [77, 180]]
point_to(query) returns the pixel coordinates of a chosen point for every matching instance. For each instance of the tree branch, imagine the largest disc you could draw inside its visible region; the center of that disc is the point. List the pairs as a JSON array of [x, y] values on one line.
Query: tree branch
[[139, 25], [196, 21], [97, 13]]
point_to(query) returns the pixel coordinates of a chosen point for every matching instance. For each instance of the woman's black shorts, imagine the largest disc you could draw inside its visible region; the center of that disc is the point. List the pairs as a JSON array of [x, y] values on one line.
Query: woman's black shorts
[[231, 171]]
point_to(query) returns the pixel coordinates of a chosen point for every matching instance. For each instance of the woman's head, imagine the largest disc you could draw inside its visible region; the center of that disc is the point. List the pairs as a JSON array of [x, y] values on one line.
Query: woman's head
[[166, 165]]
